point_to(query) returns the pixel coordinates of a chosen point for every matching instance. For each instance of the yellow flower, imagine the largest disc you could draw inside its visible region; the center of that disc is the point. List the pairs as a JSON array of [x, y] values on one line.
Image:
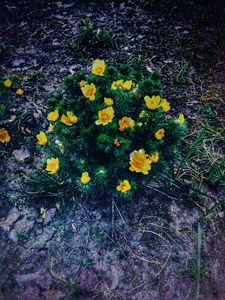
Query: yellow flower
[[160, 134], [154, 157], [105, 116], [53, 115], [42, 138], [165, 105], [8, 83], [4, 136], [180, 119], [153, 102], [85, 178], [120, 82], [19, 92], [89, 91], [108, 101], [126, 122], [116, 84], [69, 119], [52, 165], [82, 83], [124, 186], [50, 128], [98, 67], [127, 85], [140, 162]]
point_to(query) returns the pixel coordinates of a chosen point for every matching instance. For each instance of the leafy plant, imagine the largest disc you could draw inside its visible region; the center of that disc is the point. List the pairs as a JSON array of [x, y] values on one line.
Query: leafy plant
[[90, 36], [109, 132], [9, 88]]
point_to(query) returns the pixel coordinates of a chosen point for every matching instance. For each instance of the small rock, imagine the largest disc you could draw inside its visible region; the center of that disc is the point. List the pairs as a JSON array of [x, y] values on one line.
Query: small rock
[[18, 62], [50, 214], [21, 278], [21, 154], [48, 88], [221, 214], [13, 215]]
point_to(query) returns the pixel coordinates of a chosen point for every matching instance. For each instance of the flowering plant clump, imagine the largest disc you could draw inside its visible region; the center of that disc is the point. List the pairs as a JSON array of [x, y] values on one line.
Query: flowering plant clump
[[109, 131], [10, 88]]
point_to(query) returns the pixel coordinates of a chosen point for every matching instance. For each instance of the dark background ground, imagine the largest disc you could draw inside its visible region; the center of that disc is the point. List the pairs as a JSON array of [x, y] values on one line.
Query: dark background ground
[[145, 249]]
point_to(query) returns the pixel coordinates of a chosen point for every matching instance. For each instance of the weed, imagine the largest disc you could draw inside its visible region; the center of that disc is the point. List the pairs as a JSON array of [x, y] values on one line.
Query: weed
[[90, 36]]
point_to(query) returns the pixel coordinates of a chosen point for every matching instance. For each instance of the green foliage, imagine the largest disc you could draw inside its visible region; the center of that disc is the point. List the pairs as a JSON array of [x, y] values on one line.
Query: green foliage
[[2, 111], [103, 151], [8, 93]]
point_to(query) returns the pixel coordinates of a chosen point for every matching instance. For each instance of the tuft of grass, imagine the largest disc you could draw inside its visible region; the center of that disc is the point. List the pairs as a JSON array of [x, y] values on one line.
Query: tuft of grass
[[183, 74], [91, 36], [190, 152]]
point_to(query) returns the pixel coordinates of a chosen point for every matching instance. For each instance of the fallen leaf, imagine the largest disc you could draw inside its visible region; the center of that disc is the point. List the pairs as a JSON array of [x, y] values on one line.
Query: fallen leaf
[[44, 210], [168, 61], [149, 69]]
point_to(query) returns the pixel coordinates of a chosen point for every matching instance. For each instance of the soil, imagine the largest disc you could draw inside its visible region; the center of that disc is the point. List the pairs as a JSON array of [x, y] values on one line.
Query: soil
[[146, 248]]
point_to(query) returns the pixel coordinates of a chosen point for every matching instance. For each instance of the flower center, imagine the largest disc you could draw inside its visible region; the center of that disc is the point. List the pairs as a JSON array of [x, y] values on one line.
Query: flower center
[[3, 135], [138, 162], [53, 165], [105, 117], [90, 92], [99, 70]]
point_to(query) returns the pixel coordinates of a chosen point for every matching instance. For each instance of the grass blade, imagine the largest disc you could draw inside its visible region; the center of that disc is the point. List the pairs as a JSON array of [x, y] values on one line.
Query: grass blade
[[191, 150]]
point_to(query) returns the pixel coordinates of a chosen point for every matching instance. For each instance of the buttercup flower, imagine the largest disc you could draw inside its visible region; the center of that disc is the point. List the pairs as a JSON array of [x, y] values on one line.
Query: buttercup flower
[[127, 85], [126, 122], [69, 119], [89, 91], [124, 186], [85, 178], [180, 119], [165, 105], [4, 135], [108, 101], [154, 157], [82, 83], [117, 84], [114, 85], [19, 92], [140, 162], [52, 165], [98, 67], [160, 134], [42, 138], [153, 102], [53, 115], [105, 116], [50, 128], [8, 83]]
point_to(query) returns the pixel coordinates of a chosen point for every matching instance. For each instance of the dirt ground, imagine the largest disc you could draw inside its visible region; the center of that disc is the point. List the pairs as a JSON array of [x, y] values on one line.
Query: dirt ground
[[148, 248]]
